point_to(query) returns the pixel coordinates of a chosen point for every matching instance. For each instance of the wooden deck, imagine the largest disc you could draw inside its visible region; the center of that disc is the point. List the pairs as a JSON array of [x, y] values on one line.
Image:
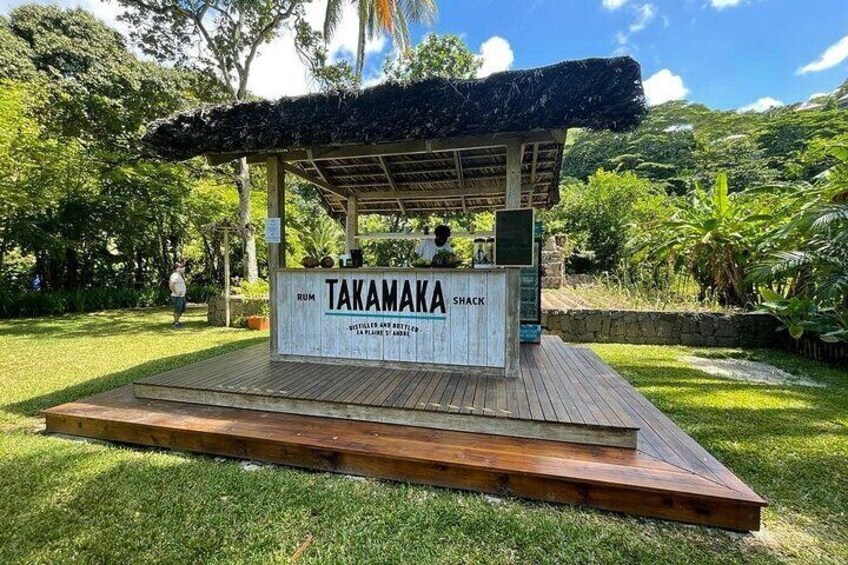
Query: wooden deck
[[559, 395], [667, 476]]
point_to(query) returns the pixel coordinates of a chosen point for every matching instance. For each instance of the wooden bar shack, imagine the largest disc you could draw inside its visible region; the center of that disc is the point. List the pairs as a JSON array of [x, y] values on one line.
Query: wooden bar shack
[[434, 146], [417, 374]]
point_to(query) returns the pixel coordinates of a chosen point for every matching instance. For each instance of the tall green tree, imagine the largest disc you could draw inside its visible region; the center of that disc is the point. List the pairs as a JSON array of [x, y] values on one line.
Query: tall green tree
[[437, 56], [89, 208], [222, 37]]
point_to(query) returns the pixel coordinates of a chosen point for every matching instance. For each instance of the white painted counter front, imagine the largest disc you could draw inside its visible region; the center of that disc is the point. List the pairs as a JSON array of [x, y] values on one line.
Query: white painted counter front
[[418, 318]]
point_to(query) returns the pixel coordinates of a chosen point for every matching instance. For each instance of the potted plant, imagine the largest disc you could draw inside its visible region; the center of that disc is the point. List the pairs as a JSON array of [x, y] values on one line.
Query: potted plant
[[260, 321]]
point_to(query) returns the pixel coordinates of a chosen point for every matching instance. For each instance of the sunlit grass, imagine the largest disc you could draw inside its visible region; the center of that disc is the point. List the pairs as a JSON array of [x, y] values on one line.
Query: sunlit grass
[[62, 500]]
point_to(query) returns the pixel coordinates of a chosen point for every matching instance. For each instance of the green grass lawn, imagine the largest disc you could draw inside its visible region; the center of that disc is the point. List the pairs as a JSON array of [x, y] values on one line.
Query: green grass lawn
[[64, 500]]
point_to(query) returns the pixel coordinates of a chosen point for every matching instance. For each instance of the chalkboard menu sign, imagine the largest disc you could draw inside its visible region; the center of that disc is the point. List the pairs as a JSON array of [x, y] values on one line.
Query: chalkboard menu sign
[[514, 237]]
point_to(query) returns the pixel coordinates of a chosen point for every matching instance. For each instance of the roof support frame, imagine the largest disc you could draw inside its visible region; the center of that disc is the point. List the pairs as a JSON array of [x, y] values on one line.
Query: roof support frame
[[400, 148]]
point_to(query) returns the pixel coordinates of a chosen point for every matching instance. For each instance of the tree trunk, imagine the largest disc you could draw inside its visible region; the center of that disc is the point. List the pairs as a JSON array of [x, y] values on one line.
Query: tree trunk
[[251, 267]]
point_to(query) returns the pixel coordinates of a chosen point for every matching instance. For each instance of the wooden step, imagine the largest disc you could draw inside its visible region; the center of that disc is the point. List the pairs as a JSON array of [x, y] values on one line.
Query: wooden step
[[617, 479], [559, 396]]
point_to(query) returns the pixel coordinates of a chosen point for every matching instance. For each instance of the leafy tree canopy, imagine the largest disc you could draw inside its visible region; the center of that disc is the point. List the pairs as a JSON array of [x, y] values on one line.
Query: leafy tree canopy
[[437, 56]]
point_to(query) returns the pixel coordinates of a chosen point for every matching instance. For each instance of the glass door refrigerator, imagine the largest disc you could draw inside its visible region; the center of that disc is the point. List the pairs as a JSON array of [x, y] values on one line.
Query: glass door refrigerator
[[531, 293]]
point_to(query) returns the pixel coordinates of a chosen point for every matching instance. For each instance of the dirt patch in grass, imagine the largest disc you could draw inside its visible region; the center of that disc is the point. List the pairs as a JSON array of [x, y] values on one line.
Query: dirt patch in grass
[[748, 371]]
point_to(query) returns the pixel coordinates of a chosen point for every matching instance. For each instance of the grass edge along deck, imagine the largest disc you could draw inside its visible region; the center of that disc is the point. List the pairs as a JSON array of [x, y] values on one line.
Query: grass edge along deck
[[609, 478]]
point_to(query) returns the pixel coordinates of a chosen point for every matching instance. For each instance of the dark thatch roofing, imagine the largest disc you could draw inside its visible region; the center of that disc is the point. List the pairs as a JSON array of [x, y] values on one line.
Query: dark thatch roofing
[[594, 93], [433, 146]]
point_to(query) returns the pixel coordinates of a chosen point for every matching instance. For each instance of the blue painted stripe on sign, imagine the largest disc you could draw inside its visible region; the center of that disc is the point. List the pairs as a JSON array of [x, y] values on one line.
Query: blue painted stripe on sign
[[395, 316]]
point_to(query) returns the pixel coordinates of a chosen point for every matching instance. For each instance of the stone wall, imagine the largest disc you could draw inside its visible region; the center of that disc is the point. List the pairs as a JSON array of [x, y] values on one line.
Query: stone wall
[[240, 309], [663, 328]]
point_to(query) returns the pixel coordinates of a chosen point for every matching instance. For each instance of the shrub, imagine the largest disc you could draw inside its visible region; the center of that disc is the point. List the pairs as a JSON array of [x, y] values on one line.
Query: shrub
[[25, 303], [600, 216]]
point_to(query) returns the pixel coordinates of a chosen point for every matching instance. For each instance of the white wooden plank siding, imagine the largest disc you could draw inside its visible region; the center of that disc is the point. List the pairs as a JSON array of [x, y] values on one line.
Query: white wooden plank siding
[[468, 332]]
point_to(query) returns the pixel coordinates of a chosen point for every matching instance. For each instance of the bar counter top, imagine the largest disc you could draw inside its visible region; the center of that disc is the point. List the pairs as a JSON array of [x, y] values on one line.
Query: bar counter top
[[398, 270]]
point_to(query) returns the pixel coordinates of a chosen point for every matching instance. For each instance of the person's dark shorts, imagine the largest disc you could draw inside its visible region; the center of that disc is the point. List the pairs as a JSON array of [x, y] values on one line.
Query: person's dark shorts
[[179, 303]]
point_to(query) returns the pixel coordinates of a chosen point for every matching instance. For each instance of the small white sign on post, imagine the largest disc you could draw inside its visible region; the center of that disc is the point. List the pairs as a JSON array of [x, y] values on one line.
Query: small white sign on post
[[272, 230]]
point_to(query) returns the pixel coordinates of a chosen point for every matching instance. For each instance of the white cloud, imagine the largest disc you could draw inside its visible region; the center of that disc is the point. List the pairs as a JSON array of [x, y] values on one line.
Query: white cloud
[[496, 55], [664, 86], [832, 56], [613, 4], [762, 105], [722, 4], [278, 70], [646, 14]]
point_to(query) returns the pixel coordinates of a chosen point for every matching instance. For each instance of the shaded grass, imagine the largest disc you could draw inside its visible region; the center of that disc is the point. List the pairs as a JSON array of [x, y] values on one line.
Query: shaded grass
[[62, 500]]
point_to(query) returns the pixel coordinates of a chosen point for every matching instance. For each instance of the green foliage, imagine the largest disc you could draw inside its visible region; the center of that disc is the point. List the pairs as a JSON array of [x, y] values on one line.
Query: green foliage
[[15, 55], [76, 194], [320, 236], [713, 234], [808, 257], [256, 289], [437, 56], [27, 304], [602, 215], [795, 312], [680, 143]]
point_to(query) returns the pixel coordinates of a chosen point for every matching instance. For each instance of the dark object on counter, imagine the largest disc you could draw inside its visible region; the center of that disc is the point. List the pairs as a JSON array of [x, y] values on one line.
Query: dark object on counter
[[327, 262], [309, 262], [356, 258]]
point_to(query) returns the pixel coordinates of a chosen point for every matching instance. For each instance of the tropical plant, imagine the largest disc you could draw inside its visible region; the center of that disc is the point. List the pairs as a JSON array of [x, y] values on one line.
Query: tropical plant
[[713, 235], [375, 16], [602, 215], [321, 237], [810, 259]]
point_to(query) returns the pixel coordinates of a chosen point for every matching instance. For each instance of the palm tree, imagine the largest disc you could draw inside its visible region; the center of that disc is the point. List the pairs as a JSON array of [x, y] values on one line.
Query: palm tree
[[391, 16]]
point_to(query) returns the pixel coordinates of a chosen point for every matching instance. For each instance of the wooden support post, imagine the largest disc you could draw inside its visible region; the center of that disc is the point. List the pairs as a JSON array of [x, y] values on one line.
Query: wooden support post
[[226, 277], [351, 223], [514, 155], [276, 251]]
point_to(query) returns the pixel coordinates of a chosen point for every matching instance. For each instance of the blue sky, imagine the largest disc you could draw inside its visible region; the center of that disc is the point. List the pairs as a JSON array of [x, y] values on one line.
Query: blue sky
[[724, 53], [727, 57]]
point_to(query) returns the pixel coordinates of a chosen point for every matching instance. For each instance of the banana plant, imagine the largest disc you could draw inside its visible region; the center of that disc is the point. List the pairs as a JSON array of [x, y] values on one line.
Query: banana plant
[[714, 236]]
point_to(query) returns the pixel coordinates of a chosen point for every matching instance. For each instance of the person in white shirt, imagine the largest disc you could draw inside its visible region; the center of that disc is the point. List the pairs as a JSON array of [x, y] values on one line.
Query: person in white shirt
[[428, 248], [177, 285]]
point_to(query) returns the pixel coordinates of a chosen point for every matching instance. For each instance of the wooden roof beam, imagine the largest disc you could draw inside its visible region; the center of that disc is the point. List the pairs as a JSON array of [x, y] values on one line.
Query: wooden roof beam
[[297, 171], [407, 195], [391, 179]]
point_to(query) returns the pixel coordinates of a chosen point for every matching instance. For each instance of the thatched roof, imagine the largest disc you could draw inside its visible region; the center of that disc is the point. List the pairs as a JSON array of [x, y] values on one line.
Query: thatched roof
[[595, 93], [440, 140]]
